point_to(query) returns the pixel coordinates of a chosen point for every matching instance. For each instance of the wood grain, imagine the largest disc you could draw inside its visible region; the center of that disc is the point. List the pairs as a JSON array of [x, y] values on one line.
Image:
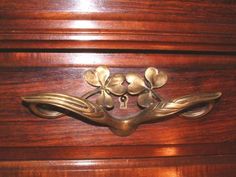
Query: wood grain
[[20, 128], [154, 25], [112, 152], [174, 11], [118, 59], [45, 46], [212, 166]]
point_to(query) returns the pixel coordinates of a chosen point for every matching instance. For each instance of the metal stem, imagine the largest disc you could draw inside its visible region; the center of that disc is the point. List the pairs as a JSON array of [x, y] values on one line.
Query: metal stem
[[90, 93]]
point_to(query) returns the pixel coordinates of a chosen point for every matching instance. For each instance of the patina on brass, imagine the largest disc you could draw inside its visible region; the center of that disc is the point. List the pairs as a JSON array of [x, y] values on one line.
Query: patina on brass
[[155, 107]]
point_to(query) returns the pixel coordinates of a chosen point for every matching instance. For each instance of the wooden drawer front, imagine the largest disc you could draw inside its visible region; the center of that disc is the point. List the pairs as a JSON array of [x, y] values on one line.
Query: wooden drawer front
[[27, 73]]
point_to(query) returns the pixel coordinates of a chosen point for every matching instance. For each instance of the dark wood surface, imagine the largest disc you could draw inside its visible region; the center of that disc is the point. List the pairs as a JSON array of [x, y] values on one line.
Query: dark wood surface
[[157, 25], [20, 128], [26, 137], [114, 152], [45, 46], [216, 166]]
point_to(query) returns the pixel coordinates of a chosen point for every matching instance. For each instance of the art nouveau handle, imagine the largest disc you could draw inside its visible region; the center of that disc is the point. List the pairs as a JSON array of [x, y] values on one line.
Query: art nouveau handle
[[54, 105]]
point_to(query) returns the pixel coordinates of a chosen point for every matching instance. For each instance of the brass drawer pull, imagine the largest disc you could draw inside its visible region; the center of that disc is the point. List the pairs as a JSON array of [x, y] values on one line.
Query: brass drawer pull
[[155, 107]]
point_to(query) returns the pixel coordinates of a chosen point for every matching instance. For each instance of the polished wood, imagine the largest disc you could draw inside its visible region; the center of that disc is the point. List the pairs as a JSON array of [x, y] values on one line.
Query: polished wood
[[163, 25], [104, 152], [216, 166], [119, 59], [45, 46], [20, 128]]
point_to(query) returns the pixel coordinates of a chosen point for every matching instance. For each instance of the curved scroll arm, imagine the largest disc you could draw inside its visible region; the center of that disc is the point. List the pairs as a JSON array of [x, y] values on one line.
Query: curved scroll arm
[[125, 126]]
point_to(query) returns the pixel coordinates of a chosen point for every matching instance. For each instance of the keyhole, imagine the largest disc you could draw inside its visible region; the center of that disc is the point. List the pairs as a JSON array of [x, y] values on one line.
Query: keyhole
[[123, 101]]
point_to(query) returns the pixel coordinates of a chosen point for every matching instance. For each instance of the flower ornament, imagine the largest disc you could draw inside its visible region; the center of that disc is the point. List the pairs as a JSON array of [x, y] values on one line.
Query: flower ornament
[[55, 105], [106, 84], [144, 87]]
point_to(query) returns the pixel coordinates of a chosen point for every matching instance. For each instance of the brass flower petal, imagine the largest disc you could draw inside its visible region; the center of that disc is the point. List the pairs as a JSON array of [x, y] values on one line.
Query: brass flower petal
[[159, 80], [105, 100], [156, 79], [145, 99], [136, 83], [102, 73], [100, 77], [115, 86], [91, 77], [150, 73]]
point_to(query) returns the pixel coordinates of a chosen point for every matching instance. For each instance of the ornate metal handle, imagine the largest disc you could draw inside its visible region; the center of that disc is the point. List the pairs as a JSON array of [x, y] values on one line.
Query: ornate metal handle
[[54, 105]]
